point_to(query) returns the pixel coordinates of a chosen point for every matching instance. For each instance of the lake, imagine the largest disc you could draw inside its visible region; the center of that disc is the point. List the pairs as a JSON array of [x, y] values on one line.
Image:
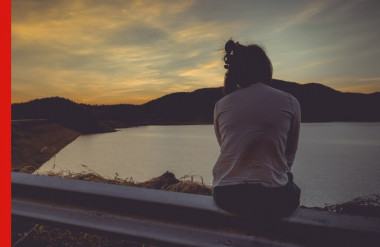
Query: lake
[[335, 162]]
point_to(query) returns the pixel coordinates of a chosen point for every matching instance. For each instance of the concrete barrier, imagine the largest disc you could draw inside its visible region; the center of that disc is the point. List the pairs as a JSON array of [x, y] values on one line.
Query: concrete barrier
[[176, 219]]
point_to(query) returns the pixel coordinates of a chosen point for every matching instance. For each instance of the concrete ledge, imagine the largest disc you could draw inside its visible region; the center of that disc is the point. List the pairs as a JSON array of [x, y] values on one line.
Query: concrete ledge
[[184, 216]]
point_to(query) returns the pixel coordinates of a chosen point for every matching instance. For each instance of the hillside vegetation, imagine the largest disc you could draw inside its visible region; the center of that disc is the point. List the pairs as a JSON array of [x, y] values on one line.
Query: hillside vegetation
[[35, 142]]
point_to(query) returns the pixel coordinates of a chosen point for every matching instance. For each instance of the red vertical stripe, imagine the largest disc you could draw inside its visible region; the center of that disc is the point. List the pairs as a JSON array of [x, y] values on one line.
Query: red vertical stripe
[[5, 104]]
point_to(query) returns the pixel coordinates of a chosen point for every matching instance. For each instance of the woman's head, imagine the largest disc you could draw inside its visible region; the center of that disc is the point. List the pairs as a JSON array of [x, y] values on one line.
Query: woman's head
[[245, 65]]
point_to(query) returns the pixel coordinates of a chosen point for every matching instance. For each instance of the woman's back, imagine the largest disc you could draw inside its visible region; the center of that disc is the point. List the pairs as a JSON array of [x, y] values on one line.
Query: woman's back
[[252, 126]]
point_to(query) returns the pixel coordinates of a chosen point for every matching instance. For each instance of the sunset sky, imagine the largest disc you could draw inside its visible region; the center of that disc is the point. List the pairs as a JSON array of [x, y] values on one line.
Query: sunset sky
[[108, 52]]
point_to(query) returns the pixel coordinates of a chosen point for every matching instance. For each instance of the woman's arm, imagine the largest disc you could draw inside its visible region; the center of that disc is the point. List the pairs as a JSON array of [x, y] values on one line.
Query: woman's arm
[[293, 134], [216, 126]]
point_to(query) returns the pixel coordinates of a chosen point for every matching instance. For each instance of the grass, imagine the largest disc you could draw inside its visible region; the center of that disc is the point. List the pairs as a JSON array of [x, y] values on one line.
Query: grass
[[364, 206], [35, 142], [166, 181]]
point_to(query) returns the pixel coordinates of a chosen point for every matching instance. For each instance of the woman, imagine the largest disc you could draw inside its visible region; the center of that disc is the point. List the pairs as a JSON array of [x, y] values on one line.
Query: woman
[[257, 128]]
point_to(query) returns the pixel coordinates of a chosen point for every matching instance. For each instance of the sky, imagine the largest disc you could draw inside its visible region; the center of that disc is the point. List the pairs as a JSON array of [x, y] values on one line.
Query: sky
[[111, 52]]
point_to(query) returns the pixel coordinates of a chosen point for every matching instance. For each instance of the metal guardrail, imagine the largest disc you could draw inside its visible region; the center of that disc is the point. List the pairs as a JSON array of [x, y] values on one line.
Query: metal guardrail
[[175, 219]]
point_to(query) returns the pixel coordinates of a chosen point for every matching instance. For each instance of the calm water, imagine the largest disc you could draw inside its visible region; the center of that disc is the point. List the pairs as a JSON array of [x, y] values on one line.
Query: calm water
[[335, 162]]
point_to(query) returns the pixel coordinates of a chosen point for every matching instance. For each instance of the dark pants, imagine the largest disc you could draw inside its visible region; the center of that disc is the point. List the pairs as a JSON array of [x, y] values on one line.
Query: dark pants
[[255, 200]]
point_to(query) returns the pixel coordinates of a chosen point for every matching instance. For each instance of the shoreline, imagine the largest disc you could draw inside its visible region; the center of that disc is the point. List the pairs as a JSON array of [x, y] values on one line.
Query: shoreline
[[36, 141]]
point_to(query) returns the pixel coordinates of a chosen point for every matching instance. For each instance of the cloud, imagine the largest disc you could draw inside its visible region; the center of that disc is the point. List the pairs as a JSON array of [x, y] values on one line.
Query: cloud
[[133, 51], [321, 62], [306, 14], [135, 33], [371, 79], [359, 85], [77, 47]]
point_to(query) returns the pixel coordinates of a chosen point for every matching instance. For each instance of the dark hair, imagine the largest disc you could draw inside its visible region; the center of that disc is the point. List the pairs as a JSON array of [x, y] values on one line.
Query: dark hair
[[245, 65]]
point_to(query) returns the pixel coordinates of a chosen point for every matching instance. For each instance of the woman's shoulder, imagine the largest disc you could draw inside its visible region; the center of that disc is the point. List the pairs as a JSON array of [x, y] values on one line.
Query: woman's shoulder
[[281, 92]]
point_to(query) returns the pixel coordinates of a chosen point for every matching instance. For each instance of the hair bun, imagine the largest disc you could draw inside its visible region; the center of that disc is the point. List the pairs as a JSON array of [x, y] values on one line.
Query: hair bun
[[230, 46]]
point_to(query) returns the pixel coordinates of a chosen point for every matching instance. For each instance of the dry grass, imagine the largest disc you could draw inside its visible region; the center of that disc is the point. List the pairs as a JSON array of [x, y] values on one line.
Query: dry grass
[[364, 206], [35, 142], [166, 181]]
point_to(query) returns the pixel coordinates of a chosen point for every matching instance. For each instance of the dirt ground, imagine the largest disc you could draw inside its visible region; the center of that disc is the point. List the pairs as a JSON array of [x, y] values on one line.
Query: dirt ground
[[36, 141]]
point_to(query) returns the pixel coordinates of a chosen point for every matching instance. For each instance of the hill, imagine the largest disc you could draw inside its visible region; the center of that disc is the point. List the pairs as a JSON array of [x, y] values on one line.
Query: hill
[[319, 103], [75, 116], [35, 142]]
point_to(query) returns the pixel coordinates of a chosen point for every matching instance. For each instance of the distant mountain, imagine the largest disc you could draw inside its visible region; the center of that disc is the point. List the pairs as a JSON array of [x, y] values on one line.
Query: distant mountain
[[66, 112], [194, 107], [319, 103]]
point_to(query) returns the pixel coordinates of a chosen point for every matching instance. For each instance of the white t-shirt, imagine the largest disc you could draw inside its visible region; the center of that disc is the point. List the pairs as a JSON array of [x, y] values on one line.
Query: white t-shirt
[[257, 128]]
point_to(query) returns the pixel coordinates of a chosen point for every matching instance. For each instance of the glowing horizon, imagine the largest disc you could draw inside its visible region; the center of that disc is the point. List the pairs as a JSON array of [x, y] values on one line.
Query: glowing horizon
[[135, 51]]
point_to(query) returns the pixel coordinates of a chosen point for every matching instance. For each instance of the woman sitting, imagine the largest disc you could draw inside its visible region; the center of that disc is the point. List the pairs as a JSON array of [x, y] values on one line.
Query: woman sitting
[[257, 128]]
